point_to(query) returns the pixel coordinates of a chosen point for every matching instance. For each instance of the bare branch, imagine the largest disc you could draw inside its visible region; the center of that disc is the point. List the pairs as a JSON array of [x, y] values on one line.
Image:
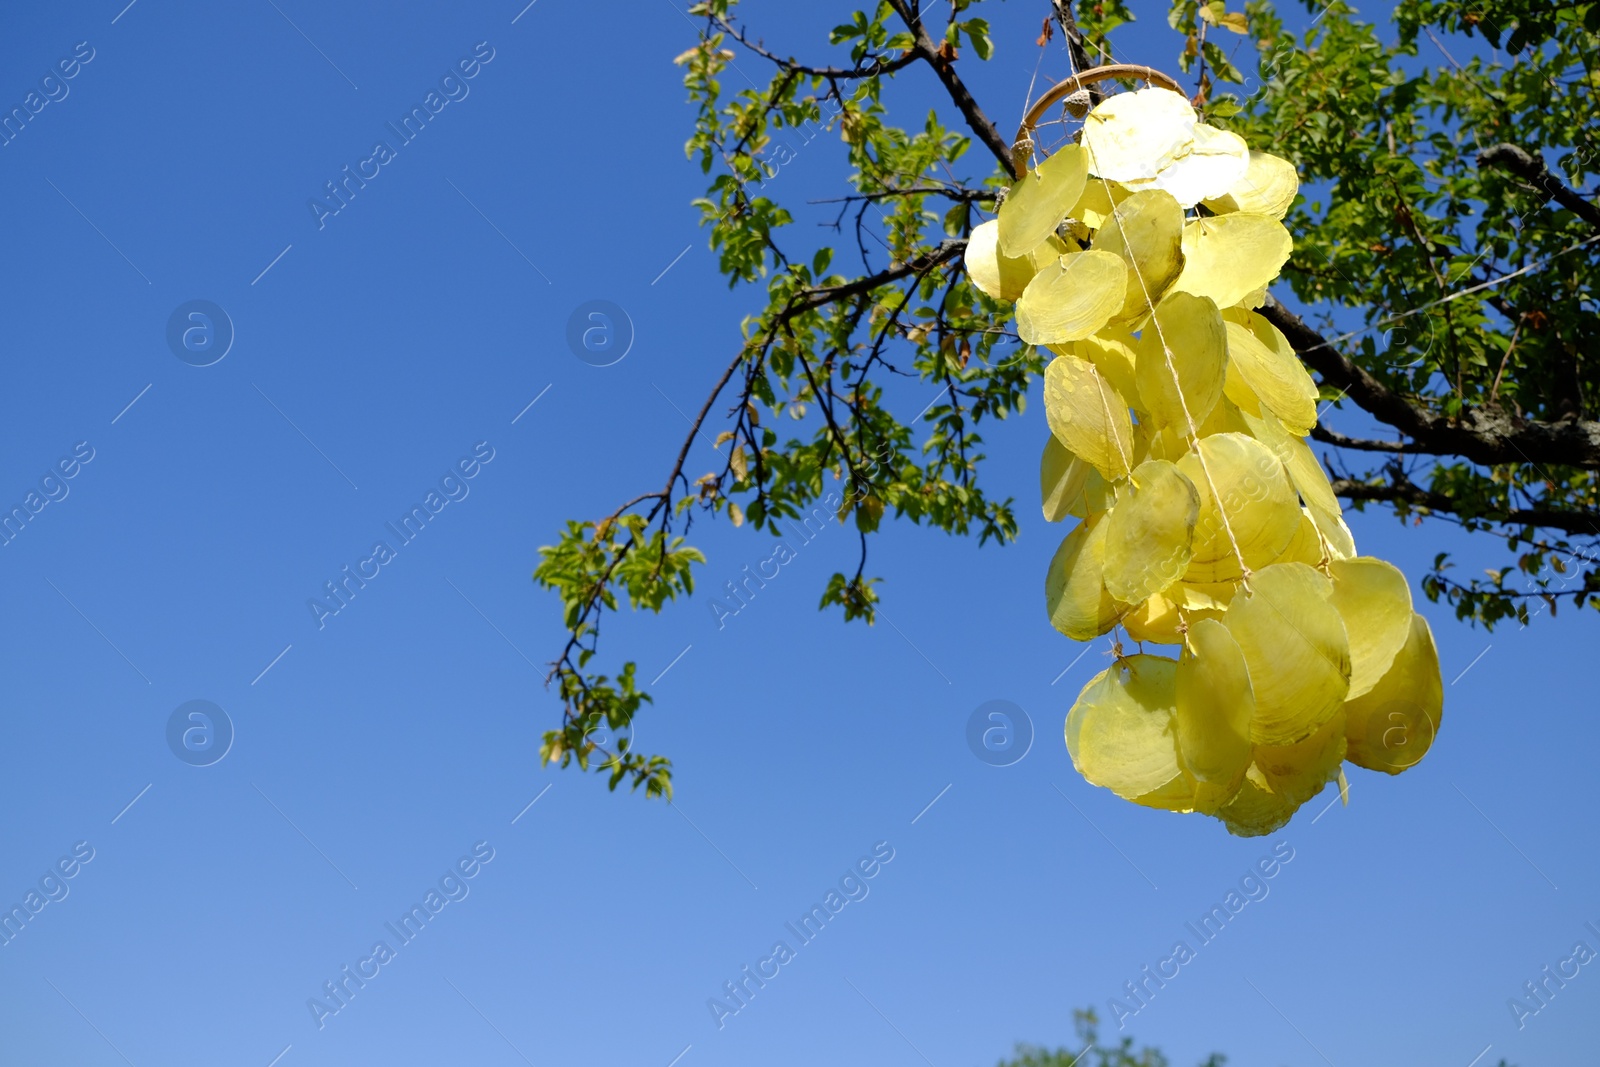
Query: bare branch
[[1531, 169], [1489, 436], [1401, 490]]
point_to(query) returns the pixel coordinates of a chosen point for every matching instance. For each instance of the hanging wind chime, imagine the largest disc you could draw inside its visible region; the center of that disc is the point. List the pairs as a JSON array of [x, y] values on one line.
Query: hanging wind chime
[[1137, 254]]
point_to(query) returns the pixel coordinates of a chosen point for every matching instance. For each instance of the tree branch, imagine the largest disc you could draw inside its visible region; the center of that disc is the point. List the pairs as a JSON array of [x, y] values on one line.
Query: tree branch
[[1488, 436], [872, 69], [1074, 36], [1404, 491], [924, 48], [1510, 158]]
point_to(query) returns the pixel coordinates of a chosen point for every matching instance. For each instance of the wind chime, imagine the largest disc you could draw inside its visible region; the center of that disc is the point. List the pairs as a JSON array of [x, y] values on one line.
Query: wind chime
[[1138, 253]]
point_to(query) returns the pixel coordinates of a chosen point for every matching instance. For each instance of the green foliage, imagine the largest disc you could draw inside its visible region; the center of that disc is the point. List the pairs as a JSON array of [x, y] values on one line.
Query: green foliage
[[1092, 1053], [1453, 293]]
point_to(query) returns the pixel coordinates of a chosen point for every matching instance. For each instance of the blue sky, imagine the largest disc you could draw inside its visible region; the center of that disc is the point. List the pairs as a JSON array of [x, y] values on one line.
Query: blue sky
[[370, 757]]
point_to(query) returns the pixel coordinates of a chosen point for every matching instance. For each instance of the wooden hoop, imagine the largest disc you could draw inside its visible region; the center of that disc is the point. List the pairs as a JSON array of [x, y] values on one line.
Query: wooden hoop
[[1022, 144]]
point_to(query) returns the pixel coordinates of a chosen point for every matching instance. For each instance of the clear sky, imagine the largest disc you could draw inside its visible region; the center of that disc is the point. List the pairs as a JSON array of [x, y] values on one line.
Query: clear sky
[[373, 351]]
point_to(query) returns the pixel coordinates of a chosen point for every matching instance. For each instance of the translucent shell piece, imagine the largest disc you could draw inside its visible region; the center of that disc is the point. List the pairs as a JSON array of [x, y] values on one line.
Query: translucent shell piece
[[1133, 136], [1074, 591], [1392, 727], [1277, 380], [1185, 334], [1001, 277], [1282, 778], [1255, 809], [1268, 187], [1113, 357], [1040, 199], [1297, 772], [1069, 486], [1215, 163], [1215, 704], [1154, 621], [1258, 504], [1374, 600], [1295, 645], [1071, 298], [1146, 230], [1306, 547], [1088, 416], [1061, 476], [1150, 532], [1094, 206], [1230, 256], [1120, 731]]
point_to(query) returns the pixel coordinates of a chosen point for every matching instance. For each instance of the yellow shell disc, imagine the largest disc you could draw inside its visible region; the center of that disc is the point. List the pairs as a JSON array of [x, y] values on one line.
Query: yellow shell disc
[[1150, 532], [1214, 707], [1113, 357], [1132, 136], [1185, 335], [1306, 547], [1215, 163], [1061, 476], [1297, 772], [1392, 727], [1146, 231], [1373, 599], [1258, 506], [1154, 621], [1074, 587], [1040, 199], [1088, 416], [1279, 382], [1120, 732], [1099, 197], [1001, 277], [1071, 298], [1295, 645], [1255, 809], [1268, 187], [1228, 257]]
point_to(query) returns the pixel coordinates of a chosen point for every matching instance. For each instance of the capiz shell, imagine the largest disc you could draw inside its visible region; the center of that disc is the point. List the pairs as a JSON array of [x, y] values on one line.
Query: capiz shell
[[1120, 732], [1214, 707], [1132, 136], [1394, 724], [1228, 257], [1088, 416], [1150, 535], [1040, 199], [1374, 600], [1071, 298], [1216, 162], [1297, 650], [1074, 589]]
